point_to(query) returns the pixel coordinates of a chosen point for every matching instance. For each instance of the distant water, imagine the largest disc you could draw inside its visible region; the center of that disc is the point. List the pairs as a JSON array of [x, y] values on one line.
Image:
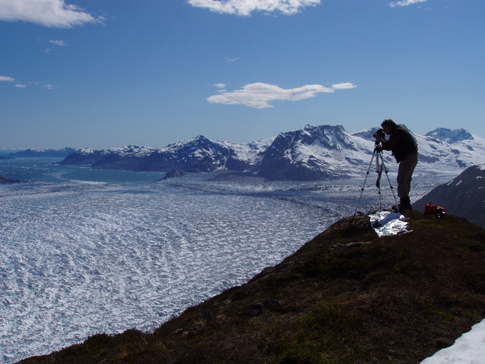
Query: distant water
[[48, 170]]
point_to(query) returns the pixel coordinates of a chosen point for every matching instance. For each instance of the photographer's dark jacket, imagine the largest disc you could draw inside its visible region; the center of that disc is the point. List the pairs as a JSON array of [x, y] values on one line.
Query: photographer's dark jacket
[[401, 143]]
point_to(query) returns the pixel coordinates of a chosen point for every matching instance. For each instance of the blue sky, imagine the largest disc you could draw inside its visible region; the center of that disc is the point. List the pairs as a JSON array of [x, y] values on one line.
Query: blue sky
[[108, 73]]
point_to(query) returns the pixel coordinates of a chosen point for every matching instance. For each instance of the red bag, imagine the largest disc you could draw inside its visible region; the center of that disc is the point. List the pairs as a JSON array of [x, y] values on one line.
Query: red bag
[[431, 208]]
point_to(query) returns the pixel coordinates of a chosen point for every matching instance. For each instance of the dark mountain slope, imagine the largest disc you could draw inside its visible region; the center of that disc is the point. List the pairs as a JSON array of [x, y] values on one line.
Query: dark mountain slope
[[347, 296], [463, 196]]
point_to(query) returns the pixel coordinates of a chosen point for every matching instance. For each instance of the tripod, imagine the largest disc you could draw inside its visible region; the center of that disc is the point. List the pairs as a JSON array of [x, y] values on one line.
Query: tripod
[[380, 167]]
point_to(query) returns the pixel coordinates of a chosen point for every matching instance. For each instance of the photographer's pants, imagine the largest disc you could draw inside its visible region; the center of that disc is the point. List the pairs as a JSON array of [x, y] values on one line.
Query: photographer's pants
[[405, 174]]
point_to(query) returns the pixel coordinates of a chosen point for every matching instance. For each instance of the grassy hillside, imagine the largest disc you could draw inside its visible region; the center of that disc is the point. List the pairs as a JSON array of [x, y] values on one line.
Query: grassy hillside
[[347, 296]]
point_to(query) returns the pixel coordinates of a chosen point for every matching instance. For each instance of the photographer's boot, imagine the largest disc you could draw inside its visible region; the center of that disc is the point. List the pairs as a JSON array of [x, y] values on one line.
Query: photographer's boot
[[405, 204]]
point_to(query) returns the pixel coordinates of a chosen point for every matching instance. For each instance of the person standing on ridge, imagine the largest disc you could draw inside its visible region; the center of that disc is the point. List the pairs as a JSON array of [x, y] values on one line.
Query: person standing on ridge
[[405, 150]]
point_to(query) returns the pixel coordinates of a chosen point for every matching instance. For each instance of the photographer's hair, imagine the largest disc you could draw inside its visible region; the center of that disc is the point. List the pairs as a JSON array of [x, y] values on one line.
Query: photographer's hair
[[389, 123]]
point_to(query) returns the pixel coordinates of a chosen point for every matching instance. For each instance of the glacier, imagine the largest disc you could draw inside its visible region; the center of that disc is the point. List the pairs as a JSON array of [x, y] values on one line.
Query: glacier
[[79, 259]]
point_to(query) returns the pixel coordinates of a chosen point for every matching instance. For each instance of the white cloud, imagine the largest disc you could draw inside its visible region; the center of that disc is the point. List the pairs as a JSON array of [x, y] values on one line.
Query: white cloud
[[258, 95], [219, 85], [232, 59], [246, 7], [49, 86], [5, 78], [59, 42], [343, 86], [20, 85], [49, 13], [405, 3]]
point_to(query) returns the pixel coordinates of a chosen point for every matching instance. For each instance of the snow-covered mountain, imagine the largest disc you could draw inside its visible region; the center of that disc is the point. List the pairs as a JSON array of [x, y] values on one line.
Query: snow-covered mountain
[[450, 149], [198, 154], [463, 196], [313, 153], [179, 155], [450, 136], [310, 153]]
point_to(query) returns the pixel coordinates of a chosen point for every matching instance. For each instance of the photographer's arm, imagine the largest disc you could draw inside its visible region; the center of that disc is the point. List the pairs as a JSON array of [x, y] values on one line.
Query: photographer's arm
[[391, 143]]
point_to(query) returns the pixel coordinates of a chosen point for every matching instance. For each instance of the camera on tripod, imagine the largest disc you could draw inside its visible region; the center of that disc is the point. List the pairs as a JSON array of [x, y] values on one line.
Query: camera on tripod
[[378, 145], [379, 132]]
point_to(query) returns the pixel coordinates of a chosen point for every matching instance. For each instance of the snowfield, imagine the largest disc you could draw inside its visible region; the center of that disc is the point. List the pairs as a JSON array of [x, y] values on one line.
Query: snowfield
[[467, 349]]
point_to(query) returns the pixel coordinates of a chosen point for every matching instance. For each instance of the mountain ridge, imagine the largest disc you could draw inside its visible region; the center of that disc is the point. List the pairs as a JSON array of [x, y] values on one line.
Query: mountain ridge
[[310, 153]]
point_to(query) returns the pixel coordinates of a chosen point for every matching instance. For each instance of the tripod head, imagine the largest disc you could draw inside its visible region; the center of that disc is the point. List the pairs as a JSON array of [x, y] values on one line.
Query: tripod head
[[377, 146]]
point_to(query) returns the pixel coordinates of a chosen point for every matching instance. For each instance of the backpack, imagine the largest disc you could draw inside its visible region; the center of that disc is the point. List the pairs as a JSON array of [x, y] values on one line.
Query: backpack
[[431, 208]]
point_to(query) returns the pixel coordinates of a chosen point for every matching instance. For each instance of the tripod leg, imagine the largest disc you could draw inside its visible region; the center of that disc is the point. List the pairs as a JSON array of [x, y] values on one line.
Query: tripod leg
[[366, 176]]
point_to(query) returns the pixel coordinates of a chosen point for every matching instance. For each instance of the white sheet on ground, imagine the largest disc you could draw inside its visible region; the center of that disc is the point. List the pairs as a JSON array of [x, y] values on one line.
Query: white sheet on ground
[[389, 223]]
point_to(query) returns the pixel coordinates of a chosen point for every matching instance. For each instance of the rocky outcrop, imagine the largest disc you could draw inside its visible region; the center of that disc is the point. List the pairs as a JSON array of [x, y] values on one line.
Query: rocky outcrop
[[8, 180], [174, 173]]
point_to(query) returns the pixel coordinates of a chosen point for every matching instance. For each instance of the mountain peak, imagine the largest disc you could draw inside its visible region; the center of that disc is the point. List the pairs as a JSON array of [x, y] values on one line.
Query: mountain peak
[[310, 127], [198, 140], [450, 136]]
